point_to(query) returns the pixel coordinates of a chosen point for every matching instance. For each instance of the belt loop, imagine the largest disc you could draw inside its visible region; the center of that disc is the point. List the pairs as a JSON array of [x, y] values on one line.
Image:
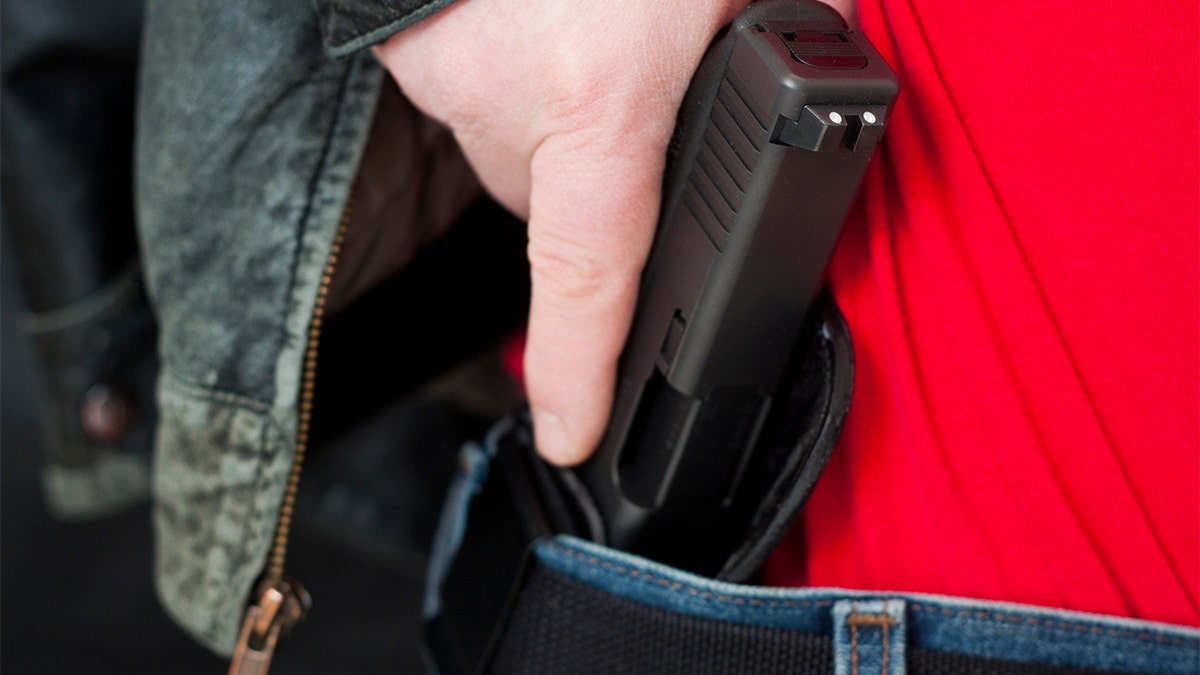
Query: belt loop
[[869, 637]]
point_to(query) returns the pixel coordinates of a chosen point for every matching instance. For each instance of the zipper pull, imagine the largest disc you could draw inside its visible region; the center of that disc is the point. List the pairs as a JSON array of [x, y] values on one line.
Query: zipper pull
[[280, 607]]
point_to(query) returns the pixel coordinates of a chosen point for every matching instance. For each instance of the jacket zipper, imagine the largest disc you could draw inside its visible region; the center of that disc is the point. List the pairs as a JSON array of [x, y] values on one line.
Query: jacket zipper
[[281, 601]]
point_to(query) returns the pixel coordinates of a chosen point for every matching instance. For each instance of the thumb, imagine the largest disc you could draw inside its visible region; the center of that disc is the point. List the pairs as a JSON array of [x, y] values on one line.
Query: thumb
[[593, 206]]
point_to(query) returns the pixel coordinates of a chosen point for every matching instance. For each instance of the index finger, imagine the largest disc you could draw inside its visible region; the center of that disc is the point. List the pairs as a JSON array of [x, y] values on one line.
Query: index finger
[[593, 206]]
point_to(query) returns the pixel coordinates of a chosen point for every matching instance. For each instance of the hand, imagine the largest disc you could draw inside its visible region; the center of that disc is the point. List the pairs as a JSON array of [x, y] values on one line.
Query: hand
[[564, 109]]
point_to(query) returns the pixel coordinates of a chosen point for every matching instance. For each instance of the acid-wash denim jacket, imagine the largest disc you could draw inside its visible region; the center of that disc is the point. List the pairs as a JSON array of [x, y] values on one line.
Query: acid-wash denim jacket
[[253, 119]]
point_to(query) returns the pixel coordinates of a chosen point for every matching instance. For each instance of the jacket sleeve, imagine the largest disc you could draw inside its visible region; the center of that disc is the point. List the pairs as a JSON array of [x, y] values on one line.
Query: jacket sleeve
[[348, 26]]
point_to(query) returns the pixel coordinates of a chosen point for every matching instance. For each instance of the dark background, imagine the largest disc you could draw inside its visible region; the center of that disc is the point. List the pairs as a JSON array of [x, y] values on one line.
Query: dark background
[[78, 597]]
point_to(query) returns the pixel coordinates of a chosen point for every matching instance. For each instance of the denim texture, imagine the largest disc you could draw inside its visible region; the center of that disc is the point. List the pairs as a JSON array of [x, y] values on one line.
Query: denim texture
[[350, 25], [67, 76], [973, 627], [473, 470], [249, 138], [869, 636], [870, 630]]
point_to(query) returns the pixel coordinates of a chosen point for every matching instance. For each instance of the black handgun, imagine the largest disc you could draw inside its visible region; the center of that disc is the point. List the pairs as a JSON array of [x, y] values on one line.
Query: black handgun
[[736, 376], [774, 137]]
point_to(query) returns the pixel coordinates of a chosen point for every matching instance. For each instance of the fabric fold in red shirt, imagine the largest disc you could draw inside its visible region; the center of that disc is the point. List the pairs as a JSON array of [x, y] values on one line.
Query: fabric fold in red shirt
[[1021, 279]]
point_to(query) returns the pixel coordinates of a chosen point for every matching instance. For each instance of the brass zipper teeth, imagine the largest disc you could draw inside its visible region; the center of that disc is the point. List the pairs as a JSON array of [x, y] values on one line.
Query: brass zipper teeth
[[278, 555]]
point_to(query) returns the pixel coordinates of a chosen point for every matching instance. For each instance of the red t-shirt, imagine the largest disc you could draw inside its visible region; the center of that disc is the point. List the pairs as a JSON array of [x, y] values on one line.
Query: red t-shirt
[[1020, 280]]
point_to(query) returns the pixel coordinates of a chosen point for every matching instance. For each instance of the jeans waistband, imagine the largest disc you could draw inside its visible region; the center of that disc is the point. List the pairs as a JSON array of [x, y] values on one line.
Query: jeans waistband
[[872, 630]]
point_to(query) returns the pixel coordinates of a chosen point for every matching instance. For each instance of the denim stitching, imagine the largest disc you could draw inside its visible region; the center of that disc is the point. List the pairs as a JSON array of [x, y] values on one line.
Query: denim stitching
[[853, 637], [675, 585], [709, 595], [342, 42], [199, 391], [1032, 621], [854, 620], [884, 669]]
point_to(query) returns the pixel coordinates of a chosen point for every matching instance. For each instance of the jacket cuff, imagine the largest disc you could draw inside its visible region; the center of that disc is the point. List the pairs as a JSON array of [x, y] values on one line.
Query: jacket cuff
[[348, 26]]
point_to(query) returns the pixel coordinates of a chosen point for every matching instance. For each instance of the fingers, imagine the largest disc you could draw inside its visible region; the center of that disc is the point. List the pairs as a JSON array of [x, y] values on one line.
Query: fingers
[[565, 117], [594, 203]]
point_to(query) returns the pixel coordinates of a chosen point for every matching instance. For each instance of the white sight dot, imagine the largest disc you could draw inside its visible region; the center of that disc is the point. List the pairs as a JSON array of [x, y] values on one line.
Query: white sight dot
[[836, 118], [869, 117]]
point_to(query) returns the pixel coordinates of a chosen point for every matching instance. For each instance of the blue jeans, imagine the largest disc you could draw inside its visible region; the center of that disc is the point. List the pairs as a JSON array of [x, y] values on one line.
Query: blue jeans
[[871, 631]]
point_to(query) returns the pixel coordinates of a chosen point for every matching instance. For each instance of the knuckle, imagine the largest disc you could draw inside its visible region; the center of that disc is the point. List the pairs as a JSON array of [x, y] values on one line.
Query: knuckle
[[570, 275], [581, 92], [581, 103]]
